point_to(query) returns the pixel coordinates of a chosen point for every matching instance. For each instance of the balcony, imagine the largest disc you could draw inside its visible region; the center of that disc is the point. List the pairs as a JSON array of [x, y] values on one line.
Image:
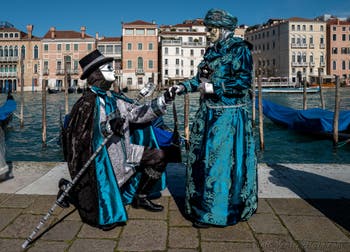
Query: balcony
[[72, 71], [298, 45], [45, 71], [140, 71], [8, 75], [311, 46], [299, 64], [59, 72], [322, 64], [312, 64], [322, 46], [9, 59], [170, 42], [193, 44]]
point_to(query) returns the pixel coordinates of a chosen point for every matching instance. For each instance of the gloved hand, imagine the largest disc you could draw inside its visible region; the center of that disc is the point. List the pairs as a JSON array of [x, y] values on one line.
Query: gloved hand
[[179, 89], [117, 126], [206, 88], [169, 95]]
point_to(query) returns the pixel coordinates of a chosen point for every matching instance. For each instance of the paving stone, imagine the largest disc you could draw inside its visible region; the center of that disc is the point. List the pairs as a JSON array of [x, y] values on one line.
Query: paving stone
[[143, 214], [42, 204], [263, 207], [7, 215], [177, 219], [3, 197], [92, 232], [181, 250], [266, 223], [63, 231], [293, 207], [18, 201], [70, 213], [309, 246], [92, 245], [238, 232], [270, 242], [183, 237], [23, 226], [145, 235], [45, 246], [229, 247], [313, 228], [11, 245]]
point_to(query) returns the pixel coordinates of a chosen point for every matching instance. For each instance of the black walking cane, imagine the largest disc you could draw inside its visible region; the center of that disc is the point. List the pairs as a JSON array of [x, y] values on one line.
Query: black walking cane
[[149, 88]]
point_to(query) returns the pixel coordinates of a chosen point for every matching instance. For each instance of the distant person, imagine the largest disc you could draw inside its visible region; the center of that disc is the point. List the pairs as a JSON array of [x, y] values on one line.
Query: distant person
[[221, 187], [99, 194]]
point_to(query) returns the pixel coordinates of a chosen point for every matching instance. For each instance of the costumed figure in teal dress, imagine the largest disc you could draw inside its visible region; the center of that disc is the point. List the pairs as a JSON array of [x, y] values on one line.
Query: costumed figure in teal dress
[[125, 171], [221, 187]]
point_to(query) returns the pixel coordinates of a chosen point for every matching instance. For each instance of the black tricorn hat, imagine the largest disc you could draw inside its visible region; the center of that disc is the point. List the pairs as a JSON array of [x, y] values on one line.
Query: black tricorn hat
[[91, 62]]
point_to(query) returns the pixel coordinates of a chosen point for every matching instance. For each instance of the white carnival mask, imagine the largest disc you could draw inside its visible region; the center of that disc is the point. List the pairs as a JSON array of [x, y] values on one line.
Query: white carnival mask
[[108, 71]]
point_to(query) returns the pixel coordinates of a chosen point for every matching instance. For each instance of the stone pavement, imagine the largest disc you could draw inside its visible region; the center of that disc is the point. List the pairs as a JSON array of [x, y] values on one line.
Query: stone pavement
[[301, 208]]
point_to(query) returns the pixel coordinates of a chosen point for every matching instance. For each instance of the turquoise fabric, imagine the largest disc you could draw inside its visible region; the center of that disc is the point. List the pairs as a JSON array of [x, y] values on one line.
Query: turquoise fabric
[[221, 184], [111, 207]]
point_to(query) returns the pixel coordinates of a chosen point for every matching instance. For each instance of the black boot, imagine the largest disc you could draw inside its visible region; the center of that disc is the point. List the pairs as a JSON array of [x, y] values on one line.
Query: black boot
[[62, 185], [140, 199]]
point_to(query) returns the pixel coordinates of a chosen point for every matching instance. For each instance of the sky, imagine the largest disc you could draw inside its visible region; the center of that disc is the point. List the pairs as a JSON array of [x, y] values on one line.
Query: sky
[[106, 17]]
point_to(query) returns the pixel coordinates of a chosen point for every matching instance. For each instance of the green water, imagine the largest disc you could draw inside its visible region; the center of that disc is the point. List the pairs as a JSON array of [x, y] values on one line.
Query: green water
[[281, 145]]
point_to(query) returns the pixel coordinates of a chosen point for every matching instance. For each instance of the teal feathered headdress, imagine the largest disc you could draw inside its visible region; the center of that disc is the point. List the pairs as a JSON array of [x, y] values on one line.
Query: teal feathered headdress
[[221, 19]]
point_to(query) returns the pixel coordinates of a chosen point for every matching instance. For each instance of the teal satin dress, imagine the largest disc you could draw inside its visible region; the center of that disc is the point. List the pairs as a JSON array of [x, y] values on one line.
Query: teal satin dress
[[221, 186]]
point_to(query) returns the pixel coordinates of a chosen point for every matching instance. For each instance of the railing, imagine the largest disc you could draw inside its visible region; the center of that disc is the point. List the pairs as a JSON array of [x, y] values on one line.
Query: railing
[[322, 64], [311, 46], [139, 71], [8, 74], [9, 59], [45, 71], [59, 71], [294, 64], [322, 46], [171, 42], [296, 45], [312, 64]]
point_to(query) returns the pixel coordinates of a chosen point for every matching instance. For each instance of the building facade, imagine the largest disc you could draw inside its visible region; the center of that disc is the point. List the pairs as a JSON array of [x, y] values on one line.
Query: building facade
[[182, 47], [338, 49], [61, 52], [140, 54], [20, 55], [284, 47]]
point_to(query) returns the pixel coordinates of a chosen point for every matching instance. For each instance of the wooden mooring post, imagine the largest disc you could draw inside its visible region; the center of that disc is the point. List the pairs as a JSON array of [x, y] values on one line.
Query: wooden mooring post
[[22, 94], [66, 85], [43, 101], [323, 106], [261, 122], [336, 112], [253, 105]]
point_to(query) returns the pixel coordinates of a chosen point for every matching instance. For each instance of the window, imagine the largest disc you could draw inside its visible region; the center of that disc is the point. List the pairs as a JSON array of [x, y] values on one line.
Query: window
[[321, 40], [334, 28], [311, 28], [304, 27], [46, 65], [59, 47], [311, 40], [129, 81], [166, 50], [334, 65], [46, 47], [343, 65], [76, 47], [23, 52], [139, 46], [129, 46], [89, 47], [59, 65], [191, 62], [293, 27], [75, 65], [140, 31], [334, 37], [191, 52], [166, 72], [321, 28], [129, 64], [129, 31], [35, 68], [177, 51], [109, 49], [140, 63], [67, 47], [36, 52], [343, 37], [298, 27], [150, 46], [150, 64], [165, 61], [139, 80], [101, 48], [334, 50], [177, 61], [151, 32], [118, 49]]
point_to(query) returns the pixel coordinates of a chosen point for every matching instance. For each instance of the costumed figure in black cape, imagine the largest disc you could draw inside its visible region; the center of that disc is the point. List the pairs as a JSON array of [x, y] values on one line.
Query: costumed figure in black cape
[[123, 172]]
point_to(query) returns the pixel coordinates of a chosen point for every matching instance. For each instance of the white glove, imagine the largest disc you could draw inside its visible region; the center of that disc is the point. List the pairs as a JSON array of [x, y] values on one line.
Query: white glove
[[206, 88]]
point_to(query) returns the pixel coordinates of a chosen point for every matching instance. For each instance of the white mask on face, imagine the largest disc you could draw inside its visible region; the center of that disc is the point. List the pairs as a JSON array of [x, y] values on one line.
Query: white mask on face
[[108, 72]]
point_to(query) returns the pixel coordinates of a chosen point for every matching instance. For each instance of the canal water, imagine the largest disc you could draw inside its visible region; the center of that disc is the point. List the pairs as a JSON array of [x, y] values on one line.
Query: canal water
[[281, 145]]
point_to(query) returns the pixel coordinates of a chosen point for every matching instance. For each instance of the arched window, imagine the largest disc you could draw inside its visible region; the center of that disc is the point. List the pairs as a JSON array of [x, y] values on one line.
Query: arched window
[[23, 52], [343, 65], [299, 57], [36, 52], [293, 57], [10, 51], [15, 51], [322, 58], [304, 40], [311, 57], [311, 41], [1, 52], [139, 63], [6, 51], [304, 56], [334, 65]]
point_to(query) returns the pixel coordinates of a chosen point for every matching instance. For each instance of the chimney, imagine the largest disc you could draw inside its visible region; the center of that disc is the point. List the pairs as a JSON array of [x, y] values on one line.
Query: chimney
[[53, 32], [83, 30], [96, 36], [30, 31]]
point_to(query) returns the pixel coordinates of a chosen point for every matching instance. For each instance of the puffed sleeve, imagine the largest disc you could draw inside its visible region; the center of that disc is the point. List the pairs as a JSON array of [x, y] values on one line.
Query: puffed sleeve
[[237, 75]]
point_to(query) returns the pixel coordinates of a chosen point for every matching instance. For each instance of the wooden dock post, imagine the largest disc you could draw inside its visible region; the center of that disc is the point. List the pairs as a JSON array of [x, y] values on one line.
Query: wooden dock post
[[336, 112], [43, 100], [261, 123], [323, 106], [186, 120], [66, 86], [22, 93], [253, 104]]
